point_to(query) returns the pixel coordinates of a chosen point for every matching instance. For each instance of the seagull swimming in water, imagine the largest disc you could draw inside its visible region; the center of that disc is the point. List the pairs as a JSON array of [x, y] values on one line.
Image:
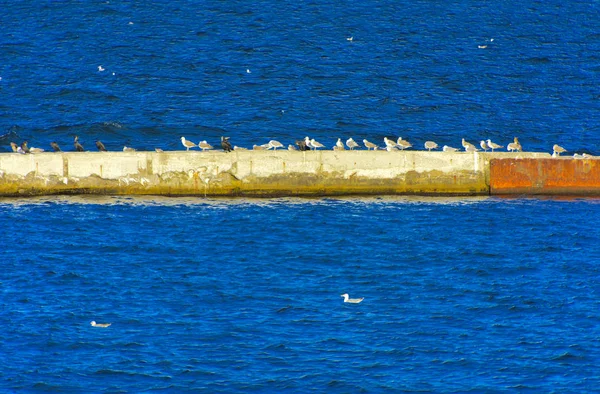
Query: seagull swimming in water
[[102, 325], [352, 300]]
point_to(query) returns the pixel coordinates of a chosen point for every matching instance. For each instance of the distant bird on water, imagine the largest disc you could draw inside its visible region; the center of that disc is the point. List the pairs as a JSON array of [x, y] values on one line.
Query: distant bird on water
[[78, 146], [101, 325], [350, 143], [225, 144], [557, 150], [55, 146], [187, 144], [352, 300], [429, 145], [100, 146]]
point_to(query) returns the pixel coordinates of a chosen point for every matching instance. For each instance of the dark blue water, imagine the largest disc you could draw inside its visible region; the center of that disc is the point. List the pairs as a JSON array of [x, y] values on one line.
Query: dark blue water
[[480, 295], [237, 296]]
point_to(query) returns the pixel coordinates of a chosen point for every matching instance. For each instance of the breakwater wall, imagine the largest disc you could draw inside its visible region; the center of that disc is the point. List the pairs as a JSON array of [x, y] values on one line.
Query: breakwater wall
[[284, 173]]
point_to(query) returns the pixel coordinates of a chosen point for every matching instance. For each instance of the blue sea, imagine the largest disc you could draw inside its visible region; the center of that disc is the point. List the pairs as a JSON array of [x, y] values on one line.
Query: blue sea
[[243, 295]]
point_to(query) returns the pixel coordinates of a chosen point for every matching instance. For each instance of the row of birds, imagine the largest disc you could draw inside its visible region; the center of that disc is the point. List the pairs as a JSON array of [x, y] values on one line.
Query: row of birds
[[309, 144]]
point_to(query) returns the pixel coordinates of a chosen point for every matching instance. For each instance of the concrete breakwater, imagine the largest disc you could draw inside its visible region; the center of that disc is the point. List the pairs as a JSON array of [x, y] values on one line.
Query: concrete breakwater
[[251, 173]]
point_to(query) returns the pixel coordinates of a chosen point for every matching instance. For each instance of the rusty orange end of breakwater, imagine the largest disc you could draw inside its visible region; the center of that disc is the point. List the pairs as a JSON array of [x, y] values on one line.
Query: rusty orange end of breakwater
[[553, 176]]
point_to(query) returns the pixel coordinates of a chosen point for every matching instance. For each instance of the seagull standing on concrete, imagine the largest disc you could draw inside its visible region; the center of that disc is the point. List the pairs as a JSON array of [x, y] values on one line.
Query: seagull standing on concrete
[[369, 145], [557, 150], [389, 144], [493, 145], [483, 145], [469, 147], [187, 144], [351, 143], [275, 144], [55, 146], [225, 144], [316, 144], [204, 145], [514, 146], [429, 145], [14, 147], [352, 300], [78, 146], [339, 144], [447, 148], [403, 144], [25, 147]]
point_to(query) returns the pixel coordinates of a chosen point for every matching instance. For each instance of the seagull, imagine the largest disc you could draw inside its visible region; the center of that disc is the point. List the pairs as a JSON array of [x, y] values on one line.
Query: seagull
[[291, 147], [447, 148], [20, 150], [514, 146], [429, 145], [493, 145], [349, 38], [339, 144], [55, 146], [557, 150], [316, 144], [258, 147], [25, 147], [78, 146], [483, 145], [389, 144], [351, 143], [403, 144], [35, 150], [352, 300], [225, 144], [369, 145], [204, 145], [128, 149], [248, 71], [275, 144], [14, 147], [102, 325], [187, 144], [100, 68], [587, 156], [158, 150], [100, 146], [239, 148], [469, 147]]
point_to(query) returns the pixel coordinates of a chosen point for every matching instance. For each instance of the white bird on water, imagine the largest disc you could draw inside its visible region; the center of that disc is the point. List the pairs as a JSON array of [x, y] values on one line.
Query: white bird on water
[[483, 145], [187, 144], [102, 325], [351, 300]]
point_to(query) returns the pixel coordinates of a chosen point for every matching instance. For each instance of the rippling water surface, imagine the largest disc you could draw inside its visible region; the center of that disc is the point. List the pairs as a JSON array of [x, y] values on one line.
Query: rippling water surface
[[244, 295]]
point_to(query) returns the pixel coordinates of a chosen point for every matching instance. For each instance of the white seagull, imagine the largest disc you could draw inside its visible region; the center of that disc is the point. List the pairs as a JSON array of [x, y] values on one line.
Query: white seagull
[[389, 144], [403, 144], [339, 144], [316, 144], [351, 143], [100, 68], [187, 144], [369, 145], [102, 325], [493, 145], [557, 150], [275, 144], [514, 146], [352, 300], [291, 147], [429, 145], [447, 148], [483, 145]]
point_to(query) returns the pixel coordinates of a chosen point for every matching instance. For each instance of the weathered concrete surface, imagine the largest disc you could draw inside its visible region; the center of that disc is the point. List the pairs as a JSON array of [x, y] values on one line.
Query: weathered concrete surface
[[554, 176], [249, 173]]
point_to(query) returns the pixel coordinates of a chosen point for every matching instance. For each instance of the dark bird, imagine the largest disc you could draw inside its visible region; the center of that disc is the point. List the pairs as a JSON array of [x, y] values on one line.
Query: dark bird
[[55, 146], [100, 146], [302, 145], [78, 146], [25, 147], [225, 144]]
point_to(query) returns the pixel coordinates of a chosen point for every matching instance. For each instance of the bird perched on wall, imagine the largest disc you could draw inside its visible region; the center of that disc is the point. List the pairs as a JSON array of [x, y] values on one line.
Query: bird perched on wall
[[24, 147], [483, 145], [339, 145], [14, 147], [350, 143], [403, 144], [557, 150], [302, 145], [429, 145], [128, 149], [514, 146], [390, 144], [100, 146], [78, 146], [55, 146], [275, 144], [469, 147], [315, 144], [187, 144], [292, 147], [493, 145], [369, 145], [225, 144], [204, 145], [447, 148]]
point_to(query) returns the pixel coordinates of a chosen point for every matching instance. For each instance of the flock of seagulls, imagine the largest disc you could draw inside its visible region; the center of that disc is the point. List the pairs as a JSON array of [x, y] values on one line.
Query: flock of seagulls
[[307, 143]]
